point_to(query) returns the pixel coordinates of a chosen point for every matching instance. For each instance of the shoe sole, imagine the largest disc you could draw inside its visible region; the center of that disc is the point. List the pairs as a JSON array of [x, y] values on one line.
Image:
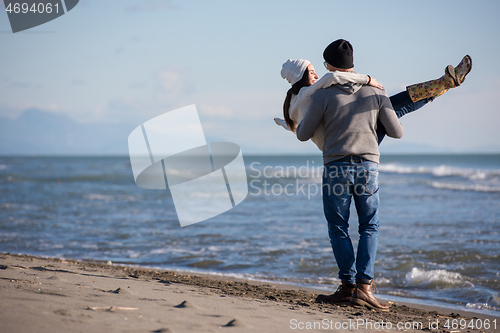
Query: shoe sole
[[470, 68], [360, 302], [450, 70]]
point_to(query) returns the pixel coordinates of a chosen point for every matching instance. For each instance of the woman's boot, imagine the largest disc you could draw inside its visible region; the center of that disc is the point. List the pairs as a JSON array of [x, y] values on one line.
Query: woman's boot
[[434, 88], [452, 78]]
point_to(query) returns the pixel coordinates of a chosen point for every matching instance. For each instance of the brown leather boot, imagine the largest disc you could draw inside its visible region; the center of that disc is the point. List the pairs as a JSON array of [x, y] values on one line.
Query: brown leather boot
[[363, 295], [341, 296]]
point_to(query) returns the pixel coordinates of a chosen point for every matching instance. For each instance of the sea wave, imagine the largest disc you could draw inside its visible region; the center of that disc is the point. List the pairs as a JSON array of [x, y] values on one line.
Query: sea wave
[[442, 171], [307, 171], [465, 187], [481, 306], [434, 278], [20, 207], [96, 196]]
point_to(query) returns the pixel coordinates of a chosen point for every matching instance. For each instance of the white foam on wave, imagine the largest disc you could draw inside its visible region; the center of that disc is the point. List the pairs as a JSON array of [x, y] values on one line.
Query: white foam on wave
[[463, 187], [382, 281], [329, 280], [134, 254], [99, 197], [3, 166], [442, 171], [128, 197], [15, 206], [465, 179], [91, 246], [160, 251], [308, 171], [419, 277], [185, 251], [395, 168], [481, 306]]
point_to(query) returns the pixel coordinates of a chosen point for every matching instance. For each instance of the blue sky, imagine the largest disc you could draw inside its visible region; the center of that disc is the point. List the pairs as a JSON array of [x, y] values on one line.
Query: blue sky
[[128, 61]]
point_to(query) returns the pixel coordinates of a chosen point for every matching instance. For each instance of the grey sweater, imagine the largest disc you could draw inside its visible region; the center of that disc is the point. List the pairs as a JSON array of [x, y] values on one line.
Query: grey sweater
[[349, 113]]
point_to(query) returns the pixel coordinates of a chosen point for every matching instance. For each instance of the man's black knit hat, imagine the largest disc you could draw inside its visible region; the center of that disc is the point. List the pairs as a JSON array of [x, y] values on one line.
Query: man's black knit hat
[[339, 54]]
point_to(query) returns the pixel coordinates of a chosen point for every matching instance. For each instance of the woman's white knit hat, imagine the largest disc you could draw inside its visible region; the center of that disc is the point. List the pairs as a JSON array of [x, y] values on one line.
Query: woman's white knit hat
[[293, 70]]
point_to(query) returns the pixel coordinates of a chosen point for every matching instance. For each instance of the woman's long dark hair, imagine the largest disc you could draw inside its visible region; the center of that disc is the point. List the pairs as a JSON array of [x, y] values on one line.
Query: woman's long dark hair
[[303, 82]]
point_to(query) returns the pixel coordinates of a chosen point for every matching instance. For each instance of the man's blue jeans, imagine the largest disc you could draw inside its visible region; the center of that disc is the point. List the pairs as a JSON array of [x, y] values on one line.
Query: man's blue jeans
[[343, 181]]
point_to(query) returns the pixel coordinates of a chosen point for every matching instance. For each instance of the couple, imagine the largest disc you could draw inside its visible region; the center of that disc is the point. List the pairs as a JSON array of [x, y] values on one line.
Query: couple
[[347, 115]]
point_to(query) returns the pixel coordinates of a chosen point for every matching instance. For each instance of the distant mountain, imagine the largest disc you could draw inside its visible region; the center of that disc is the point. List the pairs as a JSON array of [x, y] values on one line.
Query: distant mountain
[[37, 132], [488, 149]]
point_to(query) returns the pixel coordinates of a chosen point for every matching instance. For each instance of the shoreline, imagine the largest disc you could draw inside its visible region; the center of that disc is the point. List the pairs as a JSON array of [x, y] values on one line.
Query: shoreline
[[78, 295], [411, 302]]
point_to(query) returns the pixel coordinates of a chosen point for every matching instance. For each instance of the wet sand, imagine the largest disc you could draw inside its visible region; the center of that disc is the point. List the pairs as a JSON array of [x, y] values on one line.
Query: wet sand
[[54, 295]]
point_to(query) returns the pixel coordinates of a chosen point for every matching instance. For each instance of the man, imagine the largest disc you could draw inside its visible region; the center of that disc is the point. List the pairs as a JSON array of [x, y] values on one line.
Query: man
[[349, 114]]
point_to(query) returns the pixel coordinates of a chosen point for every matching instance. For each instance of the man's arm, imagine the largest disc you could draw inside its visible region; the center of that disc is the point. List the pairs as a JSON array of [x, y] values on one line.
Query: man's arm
[[310, 123], [388, 118]]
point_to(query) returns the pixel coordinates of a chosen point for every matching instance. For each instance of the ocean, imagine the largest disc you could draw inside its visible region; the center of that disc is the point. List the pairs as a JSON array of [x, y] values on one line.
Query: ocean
[[439, 239]]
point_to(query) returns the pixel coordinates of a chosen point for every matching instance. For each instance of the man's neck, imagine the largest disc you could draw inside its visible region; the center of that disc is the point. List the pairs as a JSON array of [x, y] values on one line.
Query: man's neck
[[345, 70]]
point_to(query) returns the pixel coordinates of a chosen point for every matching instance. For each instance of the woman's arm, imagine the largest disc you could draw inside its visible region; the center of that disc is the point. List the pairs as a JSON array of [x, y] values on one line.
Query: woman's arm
[[332, 78], [300, 102]]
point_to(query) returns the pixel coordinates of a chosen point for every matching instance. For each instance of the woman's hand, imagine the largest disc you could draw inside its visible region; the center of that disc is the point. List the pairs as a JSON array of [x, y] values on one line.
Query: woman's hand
[[375, 84]]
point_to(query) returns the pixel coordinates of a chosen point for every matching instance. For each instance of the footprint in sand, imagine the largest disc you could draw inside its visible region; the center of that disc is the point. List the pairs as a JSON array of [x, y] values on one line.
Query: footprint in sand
[[163, 330], [64, 312], [119, 291], [186, 304], [235, 323]]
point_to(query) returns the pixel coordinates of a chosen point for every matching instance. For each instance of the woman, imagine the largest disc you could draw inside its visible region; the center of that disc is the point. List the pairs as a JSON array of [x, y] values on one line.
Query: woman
[[301, 75]]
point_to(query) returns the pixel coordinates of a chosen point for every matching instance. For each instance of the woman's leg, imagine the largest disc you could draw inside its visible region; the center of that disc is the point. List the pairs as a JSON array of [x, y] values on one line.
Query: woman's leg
[[452, 78], [417, 95], [402, 104]]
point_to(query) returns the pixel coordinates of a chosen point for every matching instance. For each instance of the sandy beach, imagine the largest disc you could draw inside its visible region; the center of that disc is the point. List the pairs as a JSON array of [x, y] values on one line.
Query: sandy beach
[[54, 295]]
